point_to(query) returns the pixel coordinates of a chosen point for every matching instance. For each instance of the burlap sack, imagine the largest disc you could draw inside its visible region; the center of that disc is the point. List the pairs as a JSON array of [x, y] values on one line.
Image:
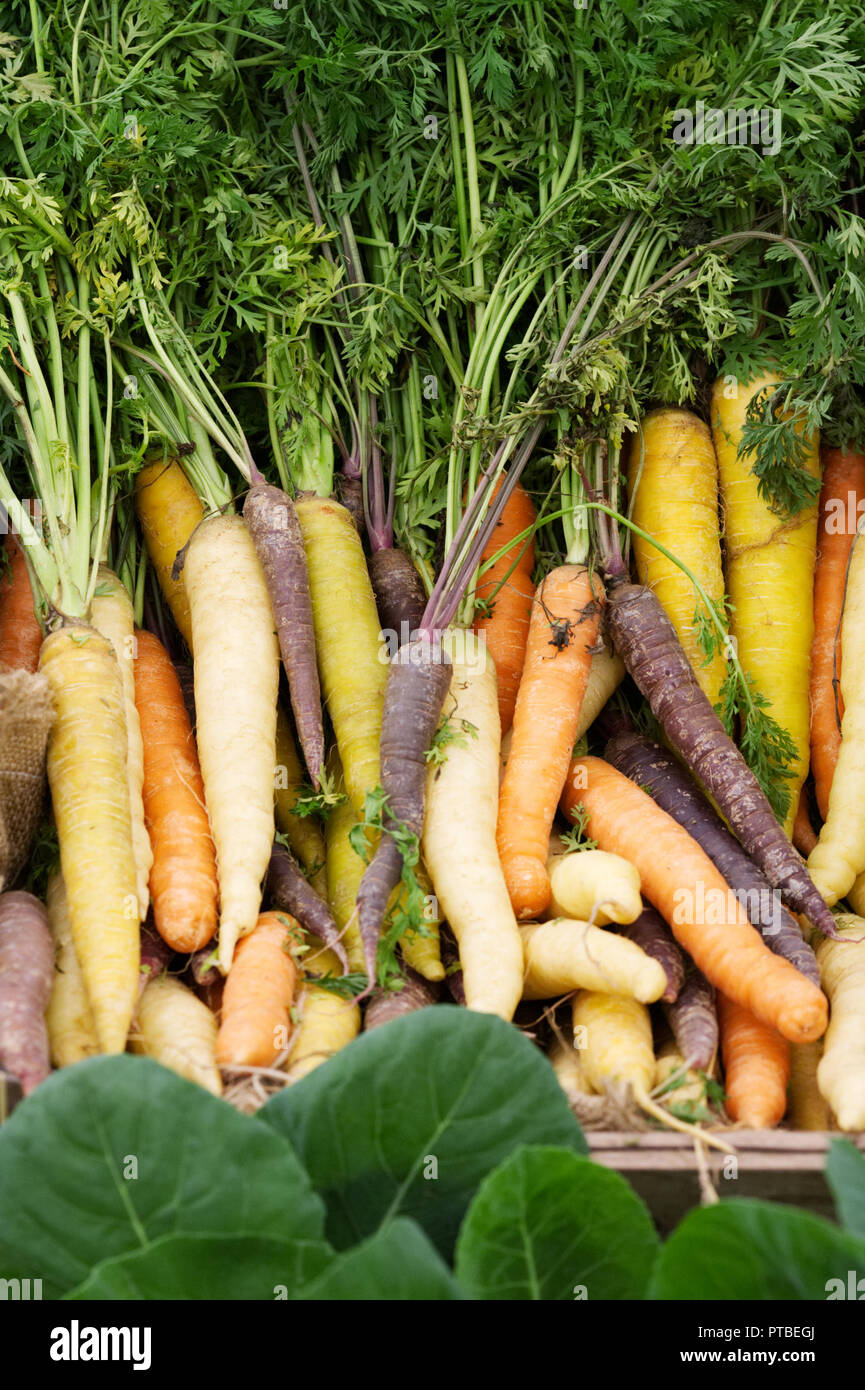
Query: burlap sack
[[26, 716]]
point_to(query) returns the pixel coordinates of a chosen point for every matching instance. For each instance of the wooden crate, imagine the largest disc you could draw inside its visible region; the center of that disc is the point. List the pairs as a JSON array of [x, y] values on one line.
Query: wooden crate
[[775, 1165]]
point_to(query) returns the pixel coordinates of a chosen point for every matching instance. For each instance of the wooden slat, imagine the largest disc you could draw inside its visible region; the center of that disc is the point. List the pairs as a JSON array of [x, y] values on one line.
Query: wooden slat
[[774, 1165]]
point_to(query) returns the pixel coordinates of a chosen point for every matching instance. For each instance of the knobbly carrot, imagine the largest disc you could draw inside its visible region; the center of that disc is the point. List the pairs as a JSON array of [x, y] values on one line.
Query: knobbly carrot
[[258, 994], [705, 916], [564, 629]]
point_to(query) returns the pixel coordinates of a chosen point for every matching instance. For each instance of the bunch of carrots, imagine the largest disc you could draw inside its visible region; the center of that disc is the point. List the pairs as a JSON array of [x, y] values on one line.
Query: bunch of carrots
[[593, 763]]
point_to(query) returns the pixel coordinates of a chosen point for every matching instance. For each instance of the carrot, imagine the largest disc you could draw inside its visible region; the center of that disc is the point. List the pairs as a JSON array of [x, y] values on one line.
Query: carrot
[[345, 867], [690, 1087], [804, 835], [183, 882], [26, 973], [756, 1067], [272, 522], [352, 661], [650, 932], [69, 1018], [258, 995], [459, 844], [807, 1108], [236, 685], [400, 597], [769, 567], [606, 674], [387, 1004], [20, 631], [667, 782], [302, 832], [418, 680], [326, 1022], [592, 885], [680, 880], [842, 498], [838, 857], [111, 614], [614, 1034], [693, 1019], [841, 1071], [288, 890], [506, 627], [652, 653], [176, 1028], [562, 955], [563, 630], [90, 795], [168, 509], [673, 488]]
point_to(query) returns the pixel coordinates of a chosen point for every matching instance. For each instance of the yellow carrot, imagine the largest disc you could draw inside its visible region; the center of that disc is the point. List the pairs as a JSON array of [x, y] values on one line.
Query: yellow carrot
[[769, 566], [177, 1029], [112, 615], [326, 1022], [69, 1018], [168, 509], [841, 1071], [352, 657], [459, 846], [345, 868], [673, 487], [90, 796], [563, 955], [236, 686]]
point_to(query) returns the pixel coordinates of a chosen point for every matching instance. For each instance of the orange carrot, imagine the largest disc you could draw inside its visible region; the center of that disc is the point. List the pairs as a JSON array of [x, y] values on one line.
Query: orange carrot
[[704, 915], [756, 1067], [258, 994], [506, 630], [564, 629], [20, 633], [183, 882], [841, 497]]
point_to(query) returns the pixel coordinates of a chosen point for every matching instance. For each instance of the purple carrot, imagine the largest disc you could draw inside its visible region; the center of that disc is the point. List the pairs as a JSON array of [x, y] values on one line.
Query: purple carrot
[[26, 977], [418, 681], [385, 1004], [694, 1020], [350, 491], [203, 967], [156, 956], [658, 773], [647, 642], [651, 933], [288, 888], [399, 593], [275, 530], [451, 962]]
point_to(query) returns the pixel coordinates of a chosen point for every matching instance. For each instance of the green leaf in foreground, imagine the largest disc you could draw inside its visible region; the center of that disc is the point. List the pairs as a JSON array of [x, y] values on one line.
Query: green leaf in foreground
[[411, 1117], [741, 1250], [113, 1153], [845, 1174], [208, 1267], [551, 1224], [398, 1263]]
